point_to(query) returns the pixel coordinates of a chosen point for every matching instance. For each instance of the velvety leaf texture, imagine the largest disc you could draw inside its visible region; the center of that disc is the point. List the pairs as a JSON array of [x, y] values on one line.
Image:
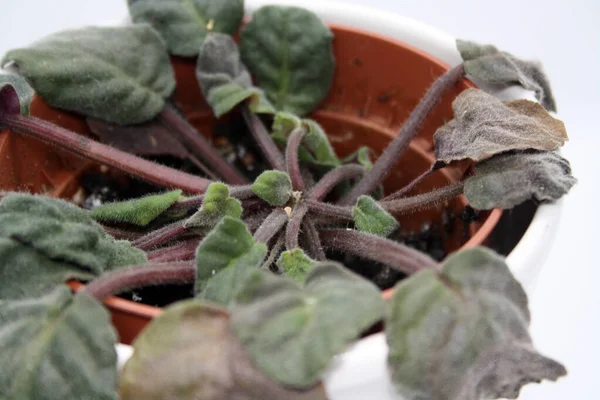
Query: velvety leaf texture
[[224, 79], [462, 333], [295, 264], [361, 156], [20, 88], [148, 139], [274, 187], [97, 72], [292, 333], [224, 259], [45, 242], [493, 66], [184, 24], [507, 180], [316, 149], [195, 337], [56, 347], [140, 211], [289, 51], [216, 204], [371, 218], [484, 126]]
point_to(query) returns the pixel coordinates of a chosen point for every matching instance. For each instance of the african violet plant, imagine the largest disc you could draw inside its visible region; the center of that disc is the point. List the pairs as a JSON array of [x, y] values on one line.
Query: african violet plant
[[270, 310]]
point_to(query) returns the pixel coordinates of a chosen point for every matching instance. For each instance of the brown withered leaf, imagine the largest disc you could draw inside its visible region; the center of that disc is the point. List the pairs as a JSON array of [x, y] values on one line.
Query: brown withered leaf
[[487, 63], [189, 353], [148, 139], [484, 126], [507, 180]]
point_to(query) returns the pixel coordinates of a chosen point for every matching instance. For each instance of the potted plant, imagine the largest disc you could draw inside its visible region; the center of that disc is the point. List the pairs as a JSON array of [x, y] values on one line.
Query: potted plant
[[271, 308]]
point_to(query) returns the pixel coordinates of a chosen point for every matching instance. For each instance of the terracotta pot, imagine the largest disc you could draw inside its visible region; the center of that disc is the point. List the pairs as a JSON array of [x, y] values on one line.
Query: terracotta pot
[[366, 106]]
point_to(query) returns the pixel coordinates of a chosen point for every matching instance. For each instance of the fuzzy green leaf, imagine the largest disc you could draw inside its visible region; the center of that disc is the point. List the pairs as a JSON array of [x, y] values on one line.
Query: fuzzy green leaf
[[361, 156], [97, 72], [216, 204], [507, 180], [487, 63], [484, 126], [45, 242], [292, 333], [224, 259], [184, 24], [139, 211], [274, 187], [224, 79], [57, 347], [295, 264], [197, 337], [371, 218], [462, 334], [289, 51], [15, 94], [316, 149]]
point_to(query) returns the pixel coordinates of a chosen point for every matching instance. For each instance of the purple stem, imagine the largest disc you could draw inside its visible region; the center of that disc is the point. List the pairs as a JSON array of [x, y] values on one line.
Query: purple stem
[[179, 252], [315, 248], [292, 232], [340, 212], [409, 130], [291, 156], [274, 252], [270, 226], [264, 140], [400, 193], [98, 152], [333, 178], [170, 117], [121, 233], [160, 236], [122, 280], [391, 253], [422, 201]]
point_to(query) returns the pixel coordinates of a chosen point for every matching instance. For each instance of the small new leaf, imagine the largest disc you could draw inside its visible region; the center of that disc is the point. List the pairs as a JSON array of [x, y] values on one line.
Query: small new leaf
[[224, 79], [274, 187], [371, 218], [15, 94], [198, 336], [45, 242], [57, 346], [507, 180], [361, 156], [295, 264], [462, 333], [184, 24], [487, 63], [316, 149], [224, 259], [216, 204], [97, 72], [484, 126], [292, 333], [289, 51], [140, 211]]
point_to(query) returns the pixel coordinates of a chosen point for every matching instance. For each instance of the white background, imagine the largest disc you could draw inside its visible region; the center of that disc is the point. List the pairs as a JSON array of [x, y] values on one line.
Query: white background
[[565, 35]]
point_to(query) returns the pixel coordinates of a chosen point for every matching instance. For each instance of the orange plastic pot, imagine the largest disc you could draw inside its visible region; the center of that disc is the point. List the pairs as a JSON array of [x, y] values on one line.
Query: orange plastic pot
[[367, 105]]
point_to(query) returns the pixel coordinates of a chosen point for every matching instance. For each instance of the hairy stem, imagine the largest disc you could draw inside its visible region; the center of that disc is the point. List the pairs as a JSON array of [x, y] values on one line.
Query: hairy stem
[[274, 252], [170, 117], [409, 130], [98, 152], [122, 280], [179, 252], [270, 226], [292, 232], [264, 140], [422, 201], [121, 233], [160, 236], [400, 193], [331, 210], [291, 156], [315, 248], [391, 253], [333, 178]]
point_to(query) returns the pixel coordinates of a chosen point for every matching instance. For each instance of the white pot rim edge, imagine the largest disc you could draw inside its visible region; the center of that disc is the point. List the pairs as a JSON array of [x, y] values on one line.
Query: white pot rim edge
[[361, 371]]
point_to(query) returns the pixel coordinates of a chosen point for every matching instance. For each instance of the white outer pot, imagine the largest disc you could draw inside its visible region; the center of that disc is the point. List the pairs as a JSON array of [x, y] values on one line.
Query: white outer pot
[[361, 372]]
